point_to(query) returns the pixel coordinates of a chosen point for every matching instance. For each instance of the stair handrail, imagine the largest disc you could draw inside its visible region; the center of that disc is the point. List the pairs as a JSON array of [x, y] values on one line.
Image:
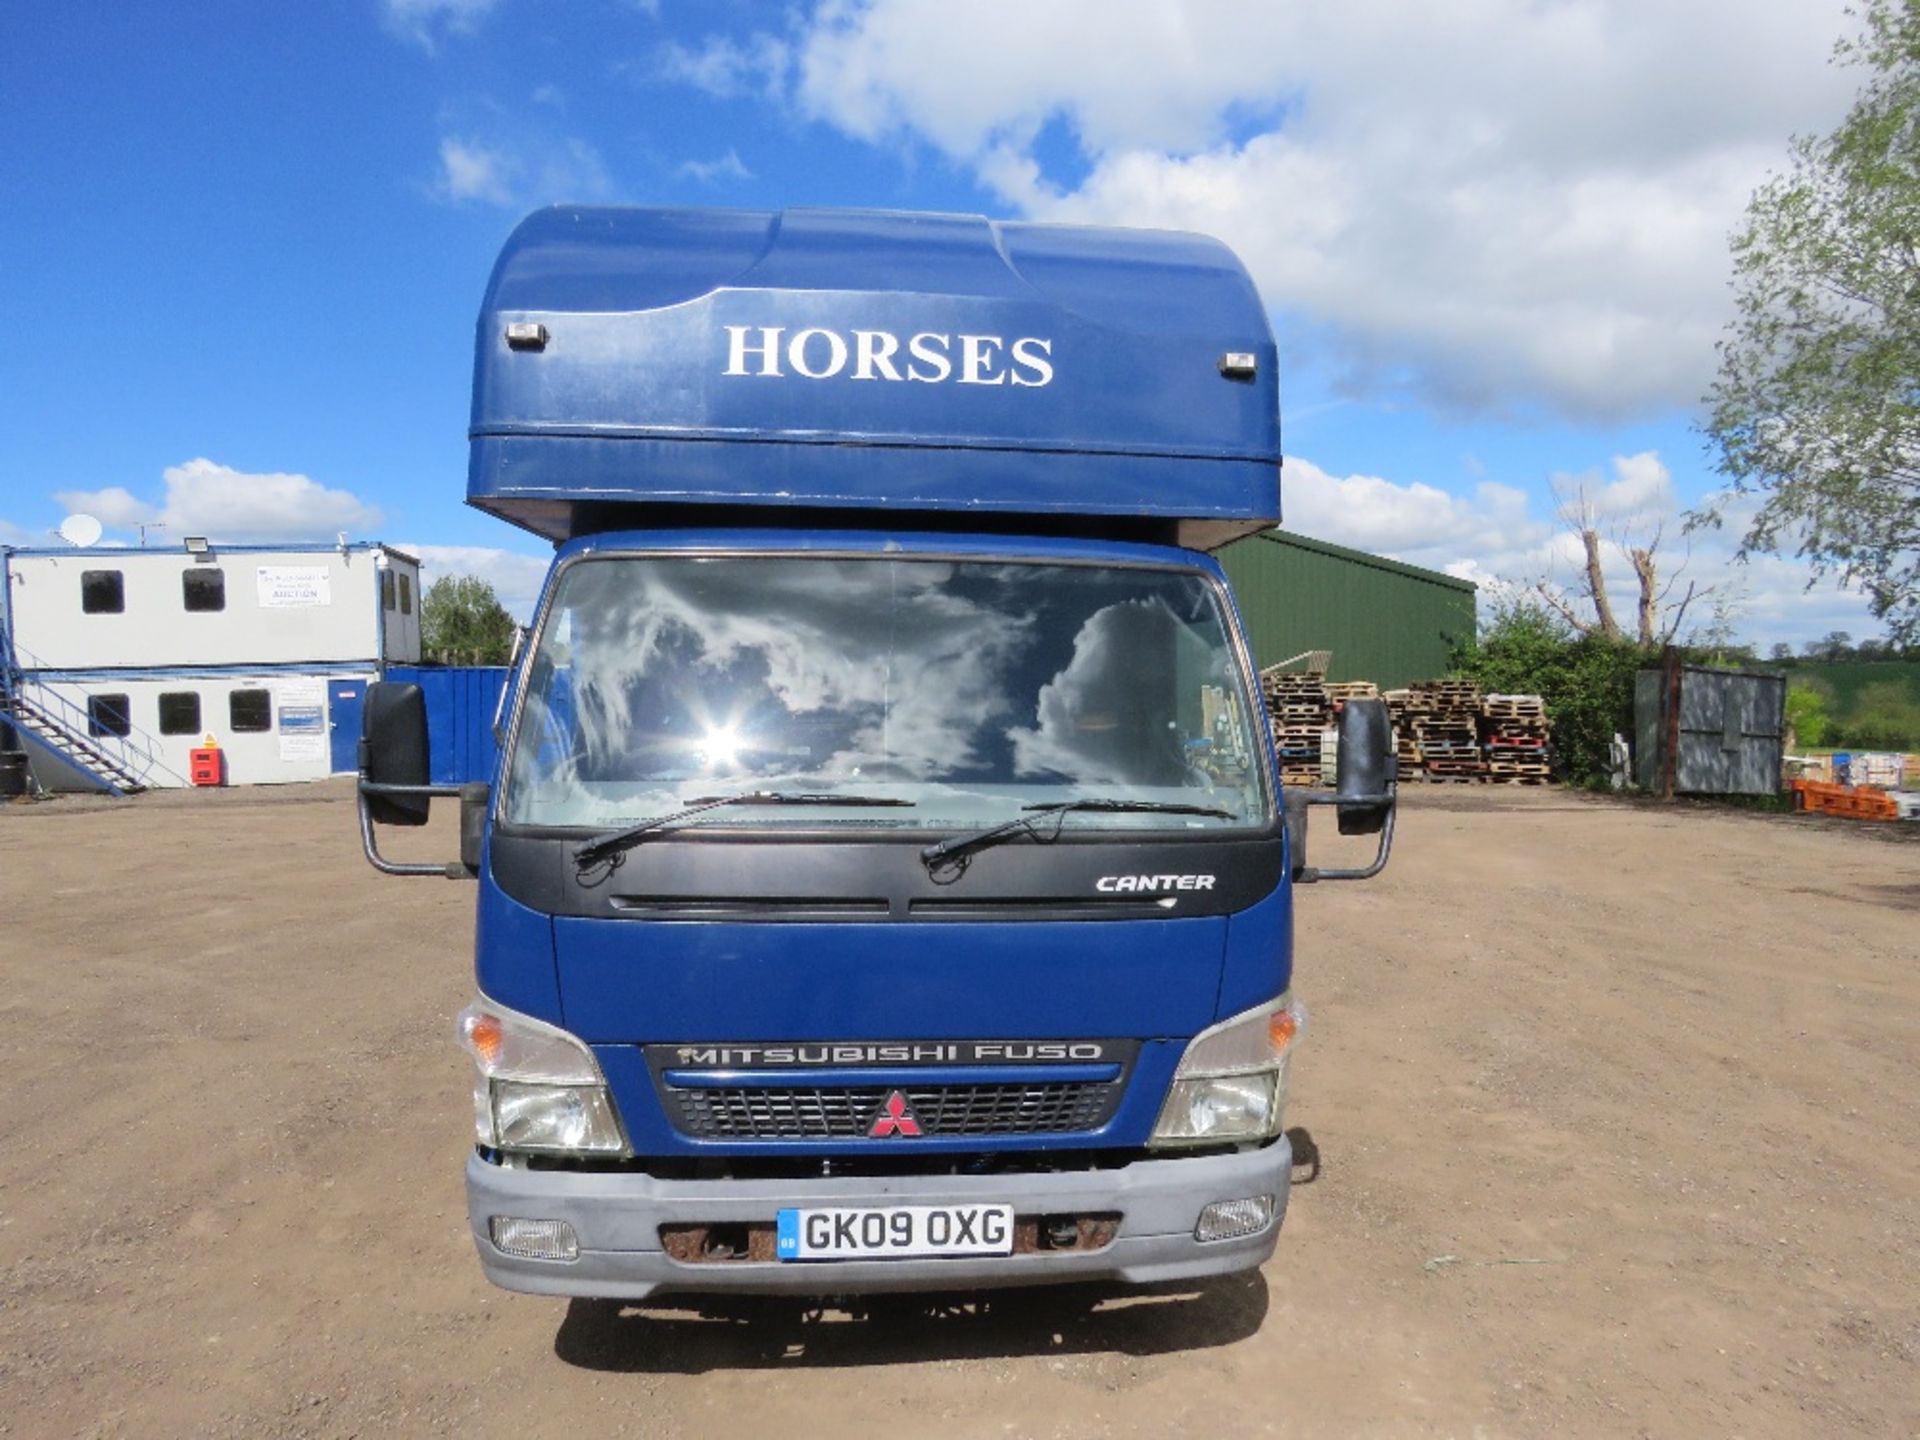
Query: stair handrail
[[137, 752], [9, 669]]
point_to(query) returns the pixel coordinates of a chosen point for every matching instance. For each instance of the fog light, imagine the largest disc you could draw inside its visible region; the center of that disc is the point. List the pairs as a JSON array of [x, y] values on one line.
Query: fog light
[[1232, 1219], [533, 1239]]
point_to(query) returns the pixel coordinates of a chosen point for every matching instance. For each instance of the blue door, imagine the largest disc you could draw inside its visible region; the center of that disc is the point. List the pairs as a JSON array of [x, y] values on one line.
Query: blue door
[[344, 700]]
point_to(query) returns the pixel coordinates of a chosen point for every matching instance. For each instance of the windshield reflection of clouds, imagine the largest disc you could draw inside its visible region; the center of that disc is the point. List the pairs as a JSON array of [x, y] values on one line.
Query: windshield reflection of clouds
[[1098, 722], [980, 685]]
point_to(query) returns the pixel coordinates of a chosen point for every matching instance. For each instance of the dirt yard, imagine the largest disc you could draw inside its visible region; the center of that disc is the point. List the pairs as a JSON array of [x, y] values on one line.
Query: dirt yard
[[1616, 1111]]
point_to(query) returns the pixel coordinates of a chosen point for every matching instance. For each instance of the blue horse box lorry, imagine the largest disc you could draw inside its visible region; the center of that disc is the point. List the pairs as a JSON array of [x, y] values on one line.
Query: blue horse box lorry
[[886, 883]]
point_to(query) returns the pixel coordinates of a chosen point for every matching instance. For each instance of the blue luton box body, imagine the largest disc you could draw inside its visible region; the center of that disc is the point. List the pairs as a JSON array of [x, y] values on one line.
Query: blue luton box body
[[886, 883], [872, 362]]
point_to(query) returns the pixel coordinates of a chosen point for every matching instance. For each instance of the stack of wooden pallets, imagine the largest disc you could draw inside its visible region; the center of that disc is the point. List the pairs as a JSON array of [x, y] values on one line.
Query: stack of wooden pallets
[[1413, 765], [1513, 728], [1446, 726], [1444, 730], [1300, 710]]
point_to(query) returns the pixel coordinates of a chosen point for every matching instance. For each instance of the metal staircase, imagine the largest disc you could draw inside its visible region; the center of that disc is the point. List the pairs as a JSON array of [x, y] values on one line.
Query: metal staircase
[[120, 765], [72, 745]]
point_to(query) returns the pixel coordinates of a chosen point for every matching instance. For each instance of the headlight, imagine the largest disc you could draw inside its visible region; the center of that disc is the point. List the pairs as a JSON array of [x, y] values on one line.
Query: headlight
[[1231, 1085], [535, 1087]]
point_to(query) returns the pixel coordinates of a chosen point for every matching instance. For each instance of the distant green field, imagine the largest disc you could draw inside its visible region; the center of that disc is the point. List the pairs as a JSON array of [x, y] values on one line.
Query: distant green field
[[1873, 703]]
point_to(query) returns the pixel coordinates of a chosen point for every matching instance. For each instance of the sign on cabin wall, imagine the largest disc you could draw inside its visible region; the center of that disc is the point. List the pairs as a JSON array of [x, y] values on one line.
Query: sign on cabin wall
[[291, 587], [303, 733]]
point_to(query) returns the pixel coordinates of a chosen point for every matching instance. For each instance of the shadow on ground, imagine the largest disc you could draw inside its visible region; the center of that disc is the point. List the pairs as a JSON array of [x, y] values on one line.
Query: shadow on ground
[[691, 1335]]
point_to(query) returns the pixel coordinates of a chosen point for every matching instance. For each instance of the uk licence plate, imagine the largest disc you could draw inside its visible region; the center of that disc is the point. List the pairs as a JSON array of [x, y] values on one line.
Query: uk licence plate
[[897, 1232]]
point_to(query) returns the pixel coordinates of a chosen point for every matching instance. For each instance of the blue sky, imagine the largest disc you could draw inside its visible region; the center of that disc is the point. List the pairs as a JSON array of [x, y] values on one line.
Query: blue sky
[[245, 243]]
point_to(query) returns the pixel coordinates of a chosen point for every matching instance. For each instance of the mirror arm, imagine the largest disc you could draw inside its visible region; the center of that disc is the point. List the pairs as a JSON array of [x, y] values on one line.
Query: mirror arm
[[451, 870], [1389, 798]]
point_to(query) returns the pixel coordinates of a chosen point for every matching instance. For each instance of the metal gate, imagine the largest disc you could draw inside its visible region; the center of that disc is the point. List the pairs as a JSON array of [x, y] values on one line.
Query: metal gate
[[1701, 731]]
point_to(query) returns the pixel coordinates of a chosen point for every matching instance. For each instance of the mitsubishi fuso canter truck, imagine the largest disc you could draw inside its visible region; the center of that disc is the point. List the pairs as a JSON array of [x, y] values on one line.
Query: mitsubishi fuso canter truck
[[886, 882]]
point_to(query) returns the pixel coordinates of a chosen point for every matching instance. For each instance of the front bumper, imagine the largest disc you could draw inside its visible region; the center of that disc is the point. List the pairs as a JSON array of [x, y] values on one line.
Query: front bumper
[[618, 1218]]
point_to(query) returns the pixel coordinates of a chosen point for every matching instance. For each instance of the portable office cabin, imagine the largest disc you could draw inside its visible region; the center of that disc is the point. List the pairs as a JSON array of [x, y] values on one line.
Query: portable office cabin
[[1384, 621], [120, 661]]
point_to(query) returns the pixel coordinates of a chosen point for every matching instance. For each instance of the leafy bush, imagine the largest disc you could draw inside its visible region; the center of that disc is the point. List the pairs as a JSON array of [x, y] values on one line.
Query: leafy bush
[[1586, 681], [1884, 717], [1808, 723]]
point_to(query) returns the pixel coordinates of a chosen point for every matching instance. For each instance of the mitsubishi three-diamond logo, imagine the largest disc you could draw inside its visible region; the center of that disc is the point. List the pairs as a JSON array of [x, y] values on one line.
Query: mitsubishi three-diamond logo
[[894, 1119]]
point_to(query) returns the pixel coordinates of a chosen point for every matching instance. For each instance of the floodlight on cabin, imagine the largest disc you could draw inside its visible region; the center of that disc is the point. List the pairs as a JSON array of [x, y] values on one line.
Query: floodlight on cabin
[[197, 545]]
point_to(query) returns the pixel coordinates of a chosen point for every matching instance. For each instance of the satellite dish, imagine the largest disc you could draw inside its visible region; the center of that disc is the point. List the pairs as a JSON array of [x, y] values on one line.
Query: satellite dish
[[80, 531]]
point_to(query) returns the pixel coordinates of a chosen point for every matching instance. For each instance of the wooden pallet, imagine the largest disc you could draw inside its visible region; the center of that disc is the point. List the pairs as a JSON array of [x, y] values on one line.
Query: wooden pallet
[[1515, 707], [1352, 690]]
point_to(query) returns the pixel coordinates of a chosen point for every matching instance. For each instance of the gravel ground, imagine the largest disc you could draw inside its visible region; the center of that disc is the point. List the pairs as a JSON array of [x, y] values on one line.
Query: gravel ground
[[1612, 1109]]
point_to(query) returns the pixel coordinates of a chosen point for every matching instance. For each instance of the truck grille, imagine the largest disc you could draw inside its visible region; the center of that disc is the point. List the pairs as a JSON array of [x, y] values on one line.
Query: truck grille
[[822, 1112]]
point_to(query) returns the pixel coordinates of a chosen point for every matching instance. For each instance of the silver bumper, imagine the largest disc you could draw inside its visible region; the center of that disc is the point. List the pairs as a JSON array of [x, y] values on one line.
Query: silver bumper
[[618, 1218]]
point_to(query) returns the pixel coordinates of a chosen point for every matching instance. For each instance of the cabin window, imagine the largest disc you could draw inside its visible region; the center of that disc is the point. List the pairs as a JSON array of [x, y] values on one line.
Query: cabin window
[[406, 594], [386, 590], [180, 712], [102, 592], [108, 714], [250, 712], [204, 588]]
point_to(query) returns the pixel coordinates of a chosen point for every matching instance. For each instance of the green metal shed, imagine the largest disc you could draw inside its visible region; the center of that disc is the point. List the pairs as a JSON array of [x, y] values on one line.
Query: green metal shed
[[1384, 621]]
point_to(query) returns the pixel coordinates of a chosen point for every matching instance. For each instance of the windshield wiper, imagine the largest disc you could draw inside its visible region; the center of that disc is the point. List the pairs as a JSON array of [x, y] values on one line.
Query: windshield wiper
[[616, 843], [949, 858]]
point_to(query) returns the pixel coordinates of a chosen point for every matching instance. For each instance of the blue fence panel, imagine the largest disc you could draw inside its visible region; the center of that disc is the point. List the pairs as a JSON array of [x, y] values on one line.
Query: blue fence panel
[[461, 701]]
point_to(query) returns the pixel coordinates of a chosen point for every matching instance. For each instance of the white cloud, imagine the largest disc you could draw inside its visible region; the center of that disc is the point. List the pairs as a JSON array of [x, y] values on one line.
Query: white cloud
[[1642, 485], [1485, 204], [1415, 522], [425, 22], [115, 507], [516, 577], [471, 171], [724, 167], [1494, 538], [727, 69], [204, 498], [540, 170], [12, 534]]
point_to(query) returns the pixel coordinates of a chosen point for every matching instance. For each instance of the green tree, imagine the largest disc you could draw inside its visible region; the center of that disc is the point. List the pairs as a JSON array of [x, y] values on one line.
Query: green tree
[[1585, 679], [462, 622], [1807, 721], [1836, 645], [1816, 411], [1884, 717]]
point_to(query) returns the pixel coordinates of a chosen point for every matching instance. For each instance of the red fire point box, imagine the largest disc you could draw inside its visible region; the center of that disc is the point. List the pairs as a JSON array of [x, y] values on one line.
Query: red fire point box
[[207, 765]]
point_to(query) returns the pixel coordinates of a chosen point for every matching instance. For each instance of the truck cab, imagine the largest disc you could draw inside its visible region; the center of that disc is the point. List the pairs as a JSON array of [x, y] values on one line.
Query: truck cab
[[886, 883]]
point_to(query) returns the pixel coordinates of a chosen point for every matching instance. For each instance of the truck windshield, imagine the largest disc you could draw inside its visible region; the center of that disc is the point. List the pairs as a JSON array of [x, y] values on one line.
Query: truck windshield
[[969, 688]]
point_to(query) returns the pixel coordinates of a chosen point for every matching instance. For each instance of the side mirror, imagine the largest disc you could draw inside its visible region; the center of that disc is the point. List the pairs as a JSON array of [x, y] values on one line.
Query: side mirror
[[396, 782], [474, 799], [393, 752], [1296, 803], [1364, 796], [1363, 779]]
